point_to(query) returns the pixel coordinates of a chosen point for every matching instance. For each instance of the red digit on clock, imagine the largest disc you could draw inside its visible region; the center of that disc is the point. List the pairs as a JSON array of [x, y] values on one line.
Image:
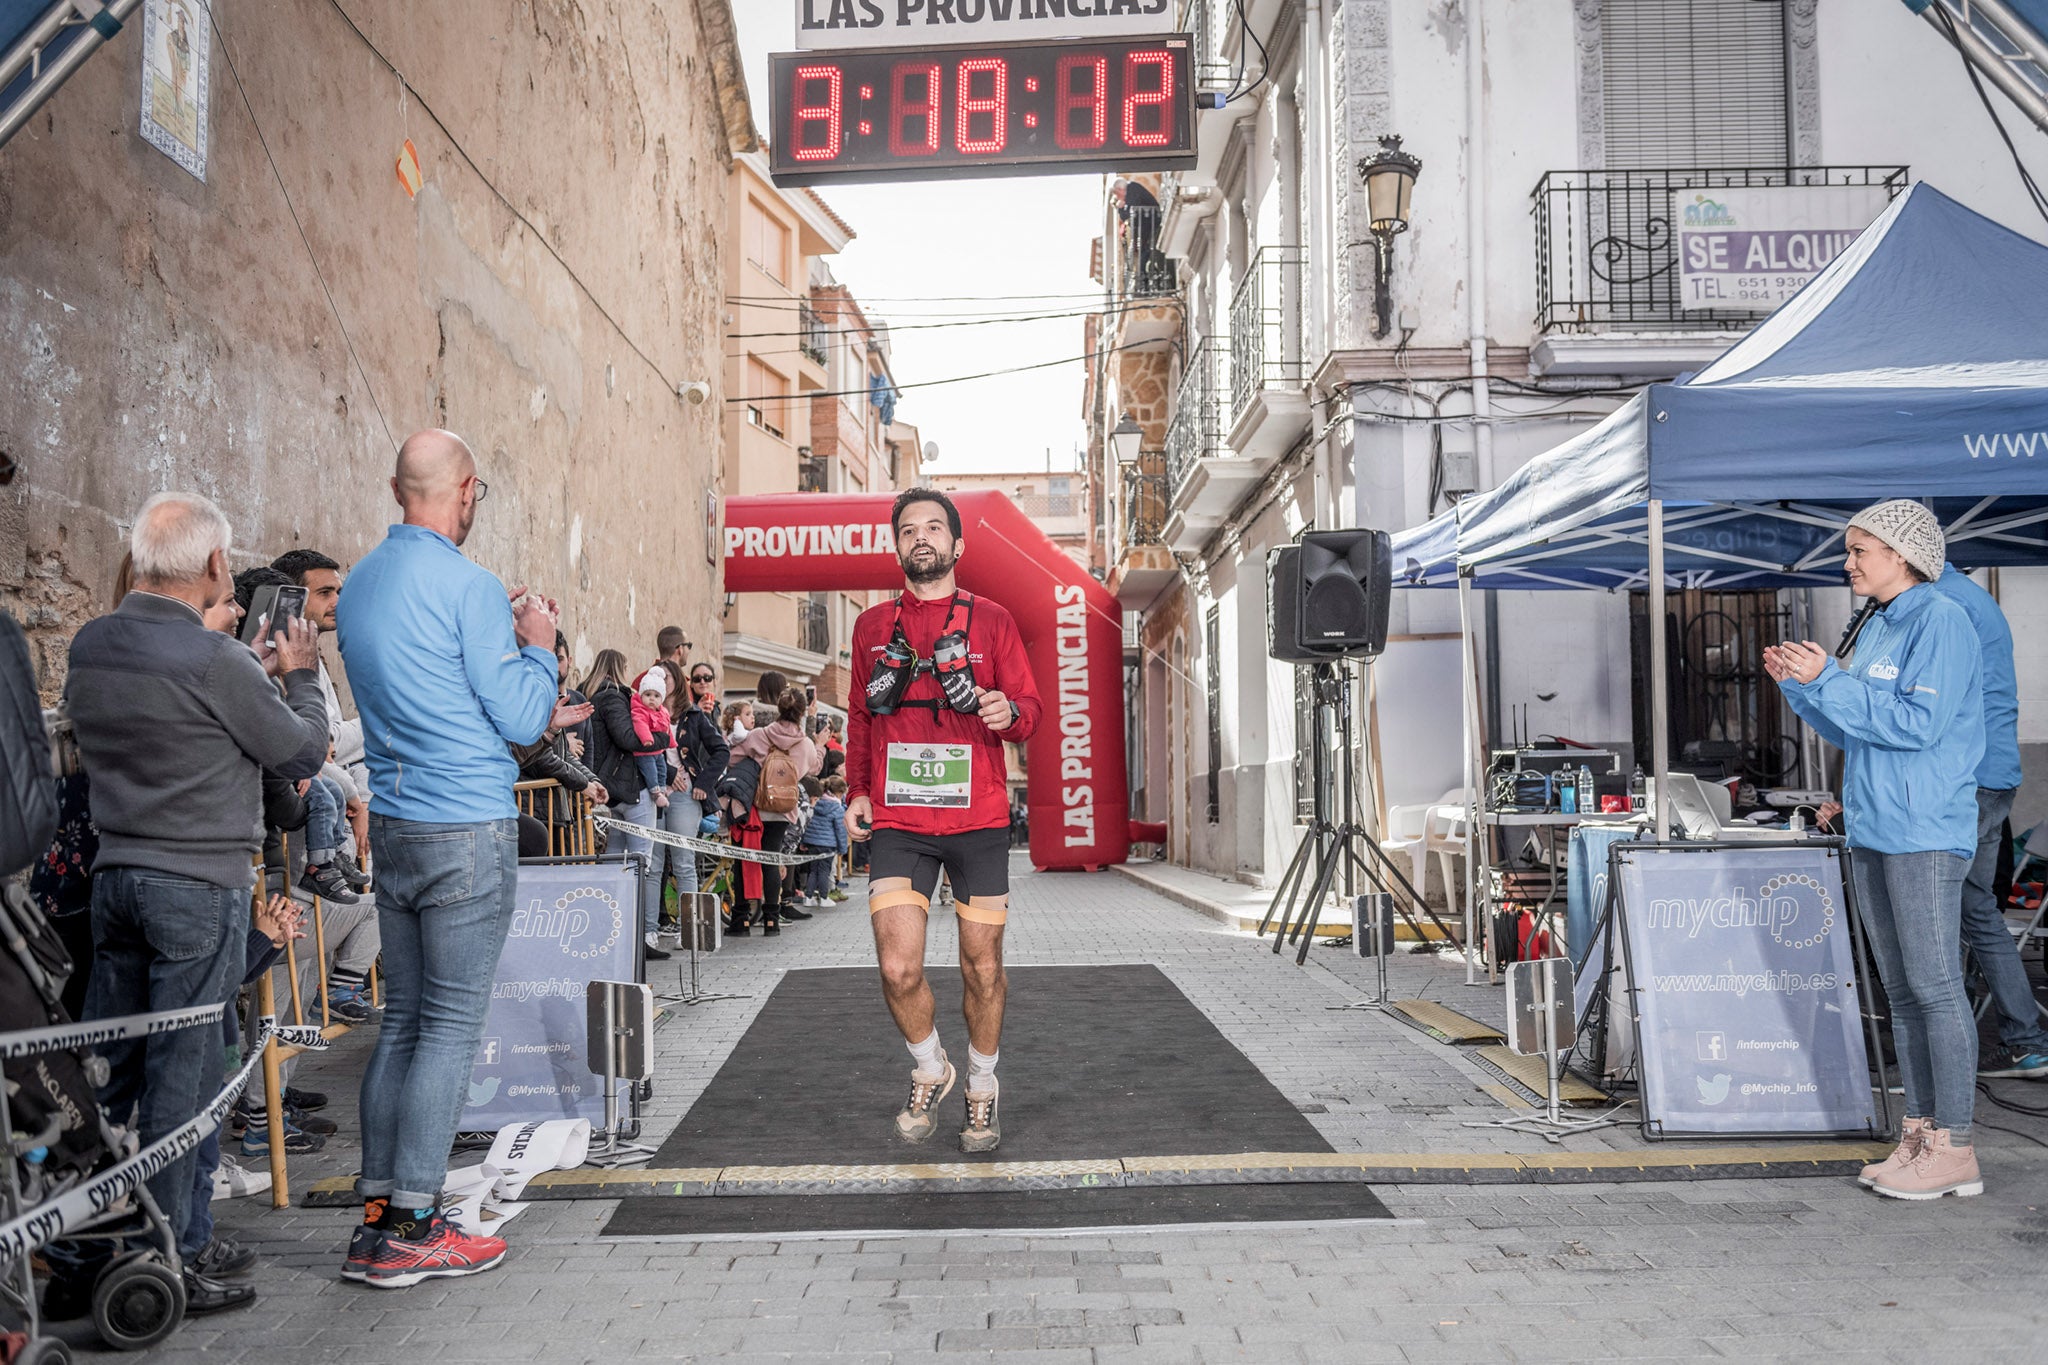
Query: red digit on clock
[[996, 104], [1082, 121], [914, 95], [808, 117], [1137, 99]]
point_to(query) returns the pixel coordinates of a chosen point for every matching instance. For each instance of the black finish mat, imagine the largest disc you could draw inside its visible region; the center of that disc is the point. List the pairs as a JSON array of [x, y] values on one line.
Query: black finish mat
[[1097, 1062], [729, 1215]]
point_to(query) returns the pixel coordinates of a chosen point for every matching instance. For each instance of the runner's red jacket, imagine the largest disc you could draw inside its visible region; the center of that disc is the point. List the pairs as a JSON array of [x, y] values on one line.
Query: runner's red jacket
[[1000, 665]]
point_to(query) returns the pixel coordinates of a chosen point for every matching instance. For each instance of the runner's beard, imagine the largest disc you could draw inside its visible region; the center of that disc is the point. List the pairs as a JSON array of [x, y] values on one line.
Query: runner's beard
[[929, 571]]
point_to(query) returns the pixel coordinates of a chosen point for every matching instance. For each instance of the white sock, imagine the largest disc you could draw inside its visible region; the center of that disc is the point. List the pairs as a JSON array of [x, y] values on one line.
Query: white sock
[[981, 1071], [926, 1054]]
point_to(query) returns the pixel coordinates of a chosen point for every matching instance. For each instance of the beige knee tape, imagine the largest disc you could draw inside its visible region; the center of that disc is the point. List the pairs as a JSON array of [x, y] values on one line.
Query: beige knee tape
[[978, 913], [885, 900]]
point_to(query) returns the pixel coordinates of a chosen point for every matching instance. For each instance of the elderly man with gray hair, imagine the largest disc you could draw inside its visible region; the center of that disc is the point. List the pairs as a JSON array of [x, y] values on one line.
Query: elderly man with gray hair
[[175, 724]]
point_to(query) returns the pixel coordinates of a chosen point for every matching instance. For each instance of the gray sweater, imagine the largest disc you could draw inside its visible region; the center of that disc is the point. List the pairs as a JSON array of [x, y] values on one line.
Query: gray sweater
[[175, 724]]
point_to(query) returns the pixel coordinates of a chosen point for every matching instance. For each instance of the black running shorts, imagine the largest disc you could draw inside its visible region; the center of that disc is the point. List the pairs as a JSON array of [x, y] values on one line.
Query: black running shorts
[[976, 861]]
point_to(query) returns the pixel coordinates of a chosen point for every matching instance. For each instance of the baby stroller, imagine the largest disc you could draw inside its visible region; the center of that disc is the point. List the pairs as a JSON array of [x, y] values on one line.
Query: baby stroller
[[58, 1140]]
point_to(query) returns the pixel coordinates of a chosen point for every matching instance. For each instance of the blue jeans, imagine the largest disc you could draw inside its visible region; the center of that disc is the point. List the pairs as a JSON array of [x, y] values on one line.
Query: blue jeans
[[683, 815], [445, 894], [1990, 943], [1911, 905], [817, 876], [326, 826], [642, 813], [163, 942]]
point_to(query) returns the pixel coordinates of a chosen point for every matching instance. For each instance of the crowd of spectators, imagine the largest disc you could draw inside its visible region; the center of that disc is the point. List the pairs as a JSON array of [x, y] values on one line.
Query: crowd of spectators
[[214, 790]]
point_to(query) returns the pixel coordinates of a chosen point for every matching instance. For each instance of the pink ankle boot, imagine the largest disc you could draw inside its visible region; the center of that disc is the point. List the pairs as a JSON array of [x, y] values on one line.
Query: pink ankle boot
[[1910, 1133], [1935, 1170]]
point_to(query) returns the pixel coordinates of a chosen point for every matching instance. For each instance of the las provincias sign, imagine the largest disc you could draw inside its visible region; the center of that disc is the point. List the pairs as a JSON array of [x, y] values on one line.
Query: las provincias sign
[[838, 25]]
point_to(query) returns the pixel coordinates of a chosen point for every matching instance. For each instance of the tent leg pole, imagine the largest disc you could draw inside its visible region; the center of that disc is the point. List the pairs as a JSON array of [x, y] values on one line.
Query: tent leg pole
[[1660, 678], [1469, 685]]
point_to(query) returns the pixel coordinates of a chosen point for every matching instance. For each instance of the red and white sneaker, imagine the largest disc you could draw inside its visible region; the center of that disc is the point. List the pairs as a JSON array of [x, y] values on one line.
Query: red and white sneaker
[[441, 1251]]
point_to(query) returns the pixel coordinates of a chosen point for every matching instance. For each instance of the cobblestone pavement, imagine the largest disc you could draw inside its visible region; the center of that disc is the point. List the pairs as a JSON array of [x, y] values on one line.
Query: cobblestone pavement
[[1701, 1269]]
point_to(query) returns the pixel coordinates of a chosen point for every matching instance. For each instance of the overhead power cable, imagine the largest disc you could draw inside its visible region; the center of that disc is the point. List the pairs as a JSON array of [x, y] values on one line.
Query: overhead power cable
[[927, 298], [934, 383], [928, 326]]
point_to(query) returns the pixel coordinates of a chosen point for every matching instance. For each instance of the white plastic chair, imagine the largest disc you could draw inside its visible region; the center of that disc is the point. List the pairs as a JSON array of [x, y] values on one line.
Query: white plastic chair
[[1420, 830], [1448, 835]]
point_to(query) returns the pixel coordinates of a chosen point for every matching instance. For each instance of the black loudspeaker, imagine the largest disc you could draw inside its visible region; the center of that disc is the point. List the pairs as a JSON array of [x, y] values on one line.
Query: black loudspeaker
[[1283, 608], [1329, 596]]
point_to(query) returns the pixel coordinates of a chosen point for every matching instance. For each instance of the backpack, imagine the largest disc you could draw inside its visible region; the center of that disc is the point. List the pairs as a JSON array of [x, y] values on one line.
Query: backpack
[[778, 790]]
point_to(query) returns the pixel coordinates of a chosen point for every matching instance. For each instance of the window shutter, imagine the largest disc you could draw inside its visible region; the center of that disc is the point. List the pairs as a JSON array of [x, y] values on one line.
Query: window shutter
[[1694, 83]]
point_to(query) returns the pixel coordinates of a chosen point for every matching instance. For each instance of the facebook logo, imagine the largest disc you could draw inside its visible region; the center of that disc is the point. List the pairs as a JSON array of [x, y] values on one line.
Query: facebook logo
[[487, 1052], [1713, 1047]]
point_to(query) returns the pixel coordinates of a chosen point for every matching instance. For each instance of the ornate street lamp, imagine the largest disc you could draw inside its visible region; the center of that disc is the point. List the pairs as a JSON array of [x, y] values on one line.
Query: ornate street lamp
[[1389, 176], [1127, 441]]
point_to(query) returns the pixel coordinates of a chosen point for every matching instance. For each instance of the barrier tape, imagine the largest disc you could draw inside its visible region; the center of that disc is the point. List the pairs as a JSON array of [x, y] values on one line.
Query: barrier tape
[[716, 850], [97, 1195], [61, 1037]]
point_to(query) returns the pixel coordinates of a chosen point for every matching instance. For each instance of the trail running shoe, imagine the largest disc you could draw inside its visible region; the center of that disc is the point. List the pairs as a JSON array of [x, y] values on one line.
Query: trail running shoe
[[917, 1121], [441, 1251], [984, 1127], [2005, 1063]]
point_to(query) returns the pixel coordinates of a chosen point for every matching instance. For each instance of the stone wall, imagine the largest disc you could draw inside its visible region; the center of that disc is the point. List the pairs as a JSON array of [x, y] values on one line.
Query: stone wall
[[554, 280]]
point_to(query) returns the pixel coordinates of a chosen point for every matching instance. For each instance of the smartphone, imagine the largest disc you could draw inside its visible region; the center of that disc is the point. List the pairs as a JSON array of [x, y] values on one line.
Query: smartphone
[[811, 693], [274, 604]]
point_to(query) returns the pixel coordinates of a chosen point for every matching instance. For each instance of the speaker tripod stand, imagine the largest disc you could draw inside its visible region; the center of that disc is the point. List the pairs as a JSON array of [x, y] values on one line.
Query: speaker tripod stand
[[1336, 844]]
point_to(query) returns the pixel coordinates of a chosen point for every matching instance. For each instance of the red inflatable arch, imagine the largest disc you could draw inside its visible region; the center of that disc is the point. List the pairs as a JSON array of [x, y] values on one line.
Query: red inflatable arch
[[1076, 785]]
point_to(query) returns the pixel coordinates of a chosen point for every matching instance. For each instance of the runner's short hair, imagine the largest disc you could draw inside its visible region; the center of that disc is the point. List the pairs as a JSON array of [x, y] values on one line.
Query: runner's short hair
[[913, 495]]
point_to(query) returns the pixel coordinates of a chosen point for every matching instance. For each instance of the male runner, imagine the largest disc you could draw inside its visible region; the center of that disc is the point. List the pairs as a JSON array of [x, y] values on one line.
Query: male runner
[[947, 684]]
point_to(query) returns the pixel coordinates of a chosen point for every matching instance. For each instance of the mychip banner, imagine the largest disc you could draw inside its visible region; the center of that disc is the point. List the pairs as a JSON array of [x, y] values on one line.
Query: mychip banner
[[1744, 975], [574, 923]]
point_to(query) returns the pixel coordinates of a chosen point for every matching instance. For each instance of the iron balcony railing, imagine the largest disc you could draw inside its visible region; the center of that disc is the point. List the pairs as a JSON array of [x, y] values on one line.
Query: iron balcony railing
[[1265, 325], [1143, 269], [1196, 431], [813, 629], [1145, 499], [812, 334], [1607, 253]]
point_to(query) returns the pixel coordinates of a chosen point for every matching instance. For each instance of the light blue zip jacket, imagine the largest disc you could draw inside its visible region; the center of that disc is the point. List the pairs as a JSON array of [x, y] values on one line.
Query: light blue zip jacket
[[440, 680], [1908, 714], [1999, 769]]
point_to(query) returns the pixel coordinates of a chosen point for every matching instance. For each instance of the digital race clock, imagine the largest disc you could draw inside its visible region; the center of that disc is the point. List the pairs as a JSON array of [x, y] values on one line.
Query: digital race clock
[[1010, 108]]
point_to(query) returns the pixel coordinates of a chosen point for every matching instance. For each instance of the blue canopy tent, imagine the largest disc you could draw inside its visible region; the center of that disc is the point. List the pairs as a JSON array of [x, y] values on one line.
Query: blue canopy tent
[[1914, 365]]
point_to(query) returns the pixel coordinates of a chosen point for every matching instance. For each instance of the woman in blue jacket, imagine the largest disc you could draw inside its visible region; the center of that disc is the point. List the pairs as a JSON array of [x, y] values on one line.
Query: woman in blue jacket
[[1907, 711]]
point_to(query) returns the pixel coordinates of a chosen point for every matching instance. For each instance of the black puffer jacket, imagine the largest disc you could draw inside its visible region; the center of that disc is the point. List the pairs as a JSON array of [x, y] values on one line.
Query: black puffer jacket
[[28, 789], [613, 743], [703, 750]]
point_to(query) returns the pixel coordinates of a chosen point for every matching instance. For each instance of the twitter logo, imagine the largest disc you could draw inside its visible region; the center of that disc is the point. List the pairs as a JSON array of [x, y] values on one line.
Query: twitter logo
[[484, 1091], [1711, 1092]]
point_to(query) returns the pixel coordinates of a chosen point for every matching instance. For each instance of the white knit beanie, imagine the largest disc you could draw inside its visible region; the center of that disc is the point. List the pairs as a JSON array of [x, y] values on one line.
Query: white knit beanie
[[1909, 528]]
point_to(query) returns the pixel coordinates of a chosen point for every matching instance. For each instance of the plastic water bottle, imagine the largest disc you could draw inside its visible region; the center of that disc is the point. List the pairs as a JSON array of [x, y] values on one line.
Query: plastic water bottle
[[1587, 804]]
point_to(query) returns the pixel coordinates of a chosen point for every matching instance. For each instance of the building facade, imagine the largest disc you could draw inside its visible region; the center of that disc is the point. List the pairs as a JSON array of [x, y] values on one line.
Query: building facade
[[541, 275], [1533, 290], [816, 413]]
